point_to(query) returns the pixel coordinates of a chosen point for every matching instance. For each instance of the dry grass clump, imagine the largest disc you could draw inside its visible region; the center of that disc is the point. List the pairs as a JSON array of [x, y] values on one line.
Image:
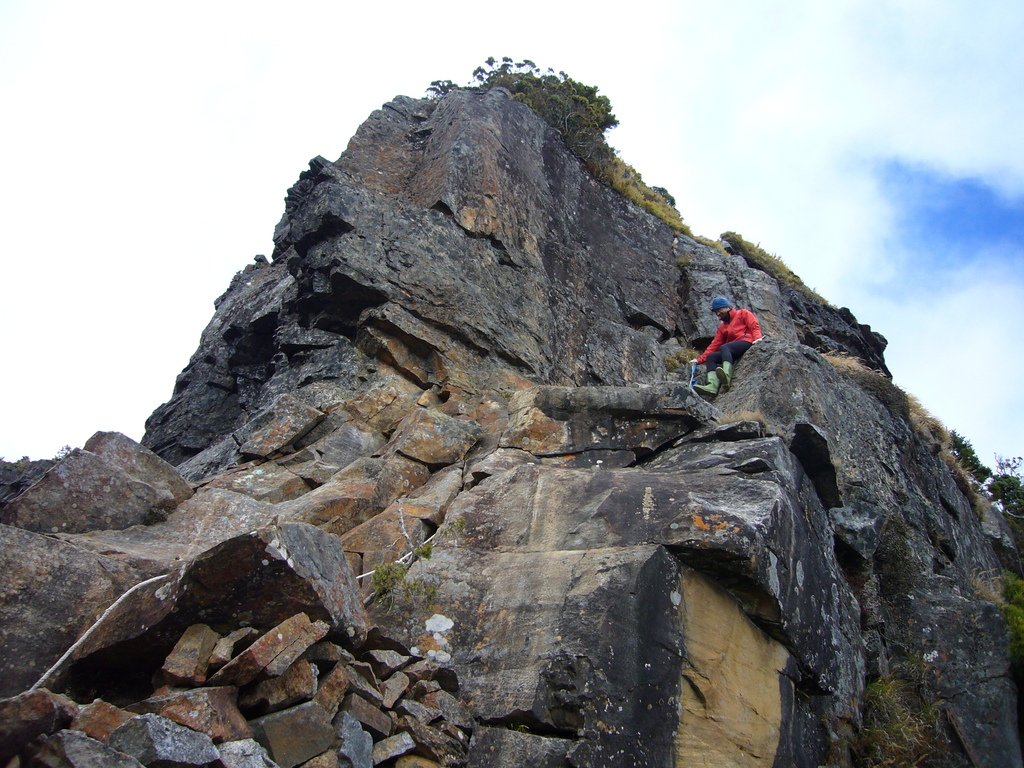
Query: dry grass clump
[[968, 487], [926, 425], [680, 358], [900, 729], [902, 404], [875, 383], [737, 416], [990, 586], [625, 180], [759, 258]]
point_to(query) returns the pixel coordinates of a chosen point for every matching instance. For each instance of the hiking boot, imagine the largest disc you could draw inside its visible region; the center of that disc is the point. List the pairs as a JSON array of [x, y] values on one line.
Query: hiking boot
[[724, 372], [711, 388]]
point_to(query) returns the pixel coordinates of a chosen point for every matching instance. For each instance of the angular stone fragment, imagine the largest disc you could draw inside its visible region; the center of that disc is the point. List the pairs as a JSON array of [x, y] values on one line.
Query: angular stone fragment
[[434, 438], [273, 653], [71, 749], [415, 761], [154, 739], [87, 492], [140, 462], [296, 685], [560, 420], [347, 440], [332, 689], [430, 502], [328, 759], [294, 735], [31, 714], [431, 742], [245, 753], [99, 719], [267, 482], [356, 744], [392, 747], [188, 660], [279, 425], [386, 537], [211, 710], [393, 688], [384, 404], [224, 651], [362, 681], [326, 652], [428, 669], [211, 516], [418, 710], [359, 492], [378, 723], [453, 710], [386, 662]]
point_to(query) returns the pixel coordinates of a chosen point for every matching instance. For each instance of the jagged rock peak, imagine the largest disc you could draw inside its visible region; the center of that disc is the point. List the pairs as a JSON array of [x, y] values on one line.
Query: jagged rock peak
[[441, 423]]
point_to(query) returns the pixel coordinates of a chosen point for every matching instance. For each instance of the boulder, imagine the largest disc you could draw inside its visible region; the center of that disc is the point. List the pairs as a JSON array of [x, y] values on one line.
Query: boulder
[[87, 491], [72, 749], [52, 591], [210, 517], [263, 578], [31, 714], [151, 738]]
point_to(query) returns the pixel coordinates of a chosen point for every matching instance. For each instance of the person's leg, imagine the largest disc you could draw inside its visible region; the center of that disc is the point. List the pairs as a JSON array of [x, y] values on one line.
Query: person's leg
[[730, 353], [712, 363]]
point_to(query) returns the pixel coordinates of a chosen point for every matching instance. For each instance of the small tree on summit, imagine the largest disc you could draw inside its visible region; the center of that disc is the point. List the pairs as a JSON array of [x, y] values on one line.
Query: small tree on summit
[[574, 109]]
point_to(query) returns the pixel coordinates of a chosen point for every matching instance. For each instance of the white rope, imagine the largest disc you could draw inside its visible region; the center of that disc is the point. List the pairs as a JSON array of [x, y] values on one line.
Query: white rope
[[88, 633]]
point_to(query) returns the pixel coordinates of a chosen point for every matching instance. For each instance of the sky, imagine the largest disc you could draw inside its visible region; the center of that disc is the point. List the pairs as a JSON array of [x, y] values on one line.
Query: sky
[[145, 151]]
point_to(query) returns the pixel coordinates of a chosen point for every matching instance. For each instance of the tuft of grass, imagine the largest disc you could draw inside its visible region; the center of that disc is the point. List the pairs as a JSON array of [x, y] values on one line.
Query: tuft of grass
[[899, 728], [738, 416], [927, 425], [875, 383], [626, 180], [680, 359], [989, 586], [759, 258]]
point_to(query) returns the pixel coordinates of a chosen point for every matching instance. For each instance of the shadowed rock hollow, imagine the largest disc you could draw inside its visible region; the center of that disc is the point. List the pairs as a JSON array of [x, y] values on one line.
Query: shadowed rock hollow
[[461, 340]]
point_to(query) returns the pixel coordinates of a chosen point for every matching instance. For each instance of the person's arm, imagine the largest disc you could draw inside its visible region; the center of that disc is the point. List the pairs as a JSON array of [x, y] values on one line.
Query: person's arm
[[753, 327]]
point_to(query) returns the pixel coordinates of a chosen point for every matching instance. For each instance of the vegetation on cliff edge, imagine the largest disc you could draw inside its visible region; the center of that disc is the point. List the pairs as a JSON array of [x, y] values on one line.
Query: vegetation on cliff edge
[[582, 116]]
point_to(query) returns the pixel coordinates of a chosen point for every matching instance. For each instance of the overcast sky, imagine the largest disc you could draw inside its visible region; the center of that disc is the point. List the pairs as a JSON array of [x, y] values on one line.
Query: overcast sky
[[876, 147]]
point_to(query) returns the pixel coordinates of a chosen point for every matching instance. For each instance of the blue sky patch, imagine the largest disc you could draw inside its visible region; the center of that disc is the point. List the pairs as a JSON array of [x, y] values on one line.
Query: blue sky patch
[[953, 218]]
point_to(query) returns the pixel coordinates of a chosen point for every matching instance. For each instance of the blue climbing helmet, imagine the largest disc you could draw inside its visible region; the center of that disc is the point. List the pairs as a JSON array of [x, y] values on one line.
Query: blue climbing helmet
[[720, 302]]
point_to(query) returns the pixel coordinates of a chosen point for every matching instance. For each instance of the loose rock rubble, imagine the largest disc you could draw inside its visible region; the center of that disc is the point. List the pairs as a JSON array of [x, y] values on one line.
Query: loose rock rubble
[[283, 697]]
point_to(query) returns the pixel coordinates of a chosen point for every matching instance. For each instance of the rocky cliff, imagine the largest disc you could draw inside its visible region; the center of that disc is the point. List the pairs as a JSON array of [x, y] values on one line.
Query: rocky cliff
[[455, 373]]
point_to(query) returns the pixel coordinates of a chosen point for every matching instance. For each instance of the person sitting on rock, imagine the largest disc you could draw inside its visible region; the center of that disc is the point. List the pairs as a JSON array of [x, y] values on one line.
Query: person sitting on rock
[[736, 333]]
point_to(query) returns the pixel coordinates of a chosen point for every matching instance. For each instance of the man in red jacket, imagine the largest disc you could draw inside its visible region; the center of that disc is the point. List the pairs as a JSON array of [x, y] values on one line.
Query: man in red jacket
[[738, 330]]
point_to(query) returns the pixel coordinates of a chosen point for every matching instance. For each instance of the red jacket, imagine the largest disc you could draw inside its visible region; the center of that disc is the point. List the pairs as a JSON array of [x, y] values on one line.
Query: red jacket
[[741, 326]]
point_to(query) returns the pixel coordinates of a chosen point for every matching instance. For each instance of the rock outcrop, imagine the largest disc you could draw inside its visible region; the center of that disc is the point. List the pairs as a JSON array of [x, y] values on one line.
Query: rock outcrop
[[437, 438]]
